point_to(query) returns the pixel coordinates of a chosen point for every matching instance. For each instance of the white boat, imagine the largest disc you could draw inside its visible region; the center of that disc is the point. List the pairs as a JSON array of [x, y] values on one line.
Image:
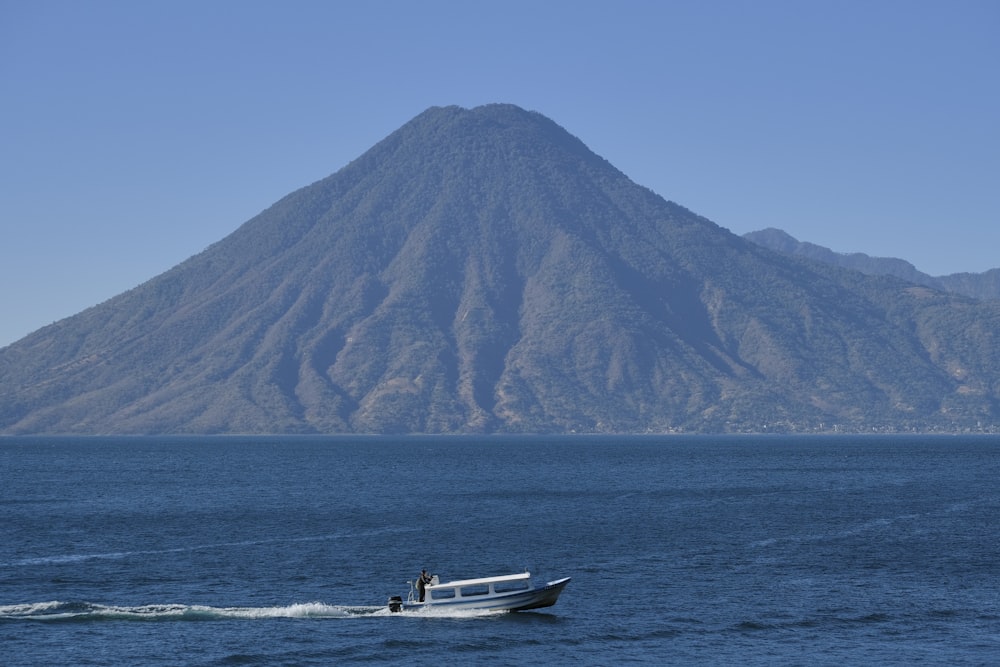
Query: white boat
[[510, 592]]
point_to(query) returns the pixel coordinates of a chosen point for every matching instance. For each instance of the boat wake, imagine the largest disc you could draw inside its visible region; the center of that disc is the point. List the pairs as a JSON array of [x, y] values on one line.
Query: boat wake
[[85, 611], [68, 612]]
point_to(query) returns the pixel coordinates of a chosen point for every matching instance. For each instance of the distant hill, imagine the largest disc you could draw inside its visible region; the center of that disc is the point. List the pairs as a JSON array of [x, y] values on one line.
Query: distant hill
[[977, 285], [482, 271]]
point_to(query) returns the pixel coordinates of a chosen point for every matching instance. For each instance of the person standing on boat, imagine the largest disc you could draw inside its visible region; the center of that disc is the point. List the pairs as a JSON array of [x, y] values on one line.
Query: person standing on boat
[[422, 582]]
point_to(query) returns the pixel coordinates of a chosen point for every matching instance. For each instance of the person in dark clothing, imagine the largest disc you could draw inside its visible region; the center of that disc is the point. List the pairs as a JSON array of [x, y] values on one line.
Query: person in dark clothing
[[422, 582]]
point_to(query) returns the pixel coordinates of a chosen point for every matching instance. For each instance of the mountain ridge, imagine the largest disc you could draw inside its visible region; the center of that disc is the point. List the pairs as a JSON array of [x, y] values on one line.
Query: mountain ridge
[[482, 271], [985, 285]]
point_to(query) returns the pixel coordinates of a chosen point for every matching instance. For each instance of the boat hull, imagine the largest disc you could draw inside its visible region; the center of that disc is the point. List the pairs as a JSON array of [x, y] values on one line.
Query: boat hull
[[535, 598]]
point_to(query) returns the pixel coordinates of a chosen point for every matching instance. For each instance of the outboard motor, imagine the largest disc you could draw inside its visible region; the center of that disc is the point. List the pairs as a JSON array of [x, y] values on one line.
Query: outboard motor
[[395, 604]]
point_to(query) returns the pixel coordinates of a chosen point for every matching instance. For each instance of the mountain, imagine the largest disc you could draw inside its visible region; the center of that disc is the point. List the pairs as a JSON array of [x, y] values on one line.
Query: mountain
[[482, 271], [976, 285]]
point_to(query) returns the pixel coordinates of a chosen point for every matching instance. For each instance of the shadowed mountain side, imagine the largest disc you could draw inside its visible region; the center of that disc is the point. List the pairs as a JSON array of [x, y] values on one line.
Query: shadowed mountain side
[[482, 271]]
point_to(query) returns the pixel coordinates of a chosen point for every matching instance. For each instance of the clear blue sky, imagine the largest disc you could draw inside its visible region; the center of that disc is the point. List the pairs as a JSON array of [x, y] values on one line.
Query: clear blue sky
[[134, 134]]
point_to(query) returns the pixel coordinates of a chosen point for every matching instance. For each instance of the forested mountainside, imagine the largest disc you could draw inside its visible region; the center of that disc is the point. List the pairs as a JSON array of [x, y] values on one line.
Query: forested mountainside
[[482, 271]]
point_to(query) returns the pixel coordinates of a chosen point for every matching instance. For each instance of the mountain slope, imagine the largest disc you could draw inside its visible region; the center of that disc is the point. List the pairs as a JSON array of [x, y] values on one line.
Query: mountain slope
[[483, 271], [976, 285]]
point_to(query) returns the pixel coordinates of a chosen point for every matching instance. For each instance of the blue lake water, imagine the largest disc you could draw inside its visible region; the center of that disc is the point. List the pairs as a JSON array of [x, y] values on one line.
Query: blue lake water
[[283, 551]]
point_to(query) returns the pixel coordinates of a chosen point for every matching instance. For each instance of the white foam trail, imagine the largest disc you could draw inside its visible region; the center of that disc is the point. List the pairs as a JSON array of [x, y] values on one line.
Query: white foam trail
[[444, 612], [66, 611], [56, 611]]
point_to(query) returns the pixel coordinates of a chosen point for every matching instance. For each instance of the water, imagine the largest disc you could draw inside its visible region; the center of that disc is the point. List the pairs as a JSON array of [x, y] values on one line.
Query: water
[[283, 551]]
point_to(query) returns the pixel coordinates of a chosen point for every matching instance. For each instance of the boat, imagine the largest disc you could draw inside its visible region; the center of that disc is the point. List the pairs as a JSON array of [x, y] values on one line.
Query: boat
[[509, 592]]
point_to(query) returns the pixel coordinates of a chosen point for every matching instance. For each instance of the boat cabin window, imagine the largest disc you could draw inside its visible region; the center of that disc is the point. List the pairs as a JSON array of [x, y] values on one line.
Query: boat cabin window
[[510, 586], [478, 589], [442, 594]]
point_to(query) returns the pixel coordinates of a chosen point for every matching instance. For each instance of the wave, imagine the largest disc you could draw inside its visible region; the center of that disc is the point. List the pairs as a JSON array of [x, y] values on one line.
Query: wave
[[875, 525], [56, 611], [62, 559]]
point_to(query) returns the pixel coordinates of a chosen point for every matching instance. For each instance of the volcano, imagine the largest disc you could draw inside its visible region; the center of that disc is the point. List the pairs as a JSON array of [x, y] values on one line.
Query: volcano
[[482, 271]]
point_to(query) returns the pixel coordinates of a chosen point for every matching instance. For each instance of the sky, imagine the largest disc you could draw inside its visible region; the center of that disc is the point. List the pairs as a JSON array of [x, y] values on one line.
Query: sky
[[135, 134]]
